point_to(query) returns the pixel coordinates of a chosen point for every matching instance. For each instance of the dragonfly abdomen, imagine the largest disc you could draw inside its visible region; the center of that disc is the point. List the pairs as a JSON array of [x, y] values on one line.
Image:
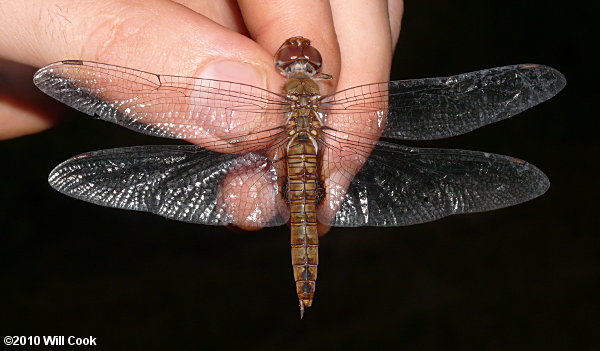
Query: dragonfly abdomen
[[302, 197]]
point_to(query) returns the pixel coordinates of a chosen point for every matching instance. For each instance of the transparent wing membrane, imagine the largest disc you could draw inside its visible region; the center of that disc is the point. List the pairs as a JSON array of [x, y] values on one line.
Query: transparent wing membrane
[[211, 113], [401, 185], [239, 175], [182, 182], [434, 108]]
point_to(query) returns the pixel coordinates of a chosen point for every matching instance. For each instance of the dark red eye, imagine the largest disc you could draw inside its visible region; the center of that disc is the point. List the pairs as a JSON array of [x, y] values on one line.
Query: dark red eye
[[286, 55], [313, 56], [297, 49]]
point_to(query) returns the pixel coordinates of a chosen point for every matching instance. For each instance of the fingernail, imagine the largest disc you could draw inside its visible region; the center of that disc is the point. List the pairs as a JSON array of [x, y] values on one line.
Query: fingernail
[[234, 71]]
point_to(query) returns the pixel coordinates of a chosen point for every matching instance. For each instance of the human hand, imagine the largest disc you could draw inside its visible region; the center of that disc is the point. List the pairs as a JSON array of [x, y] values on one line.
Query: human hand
[[355, 38]]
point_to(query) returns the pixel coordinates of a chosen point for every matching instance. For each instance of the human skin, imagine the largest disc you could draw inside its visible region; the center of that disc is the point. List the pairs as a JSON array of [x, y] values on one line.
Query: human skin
[[224, 40]]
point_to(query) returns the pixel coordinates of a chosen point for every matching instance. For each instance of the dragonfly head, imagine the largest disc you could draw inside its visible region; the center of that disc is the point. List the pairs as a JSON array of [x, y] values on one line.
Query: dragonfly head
[[297, 57]]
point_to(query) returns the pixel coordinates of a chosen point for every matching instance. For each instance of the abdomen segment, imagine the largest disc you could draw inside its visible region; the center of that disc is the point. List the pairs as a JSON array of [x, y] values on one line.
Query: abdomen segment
[[302, 197]]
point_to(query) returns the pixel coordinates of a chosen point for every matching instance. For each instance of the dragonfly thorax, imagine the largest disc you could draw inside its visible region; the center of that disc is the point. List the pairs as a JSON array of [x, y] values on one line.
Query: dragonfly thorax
[[298, 87], [303, 119]]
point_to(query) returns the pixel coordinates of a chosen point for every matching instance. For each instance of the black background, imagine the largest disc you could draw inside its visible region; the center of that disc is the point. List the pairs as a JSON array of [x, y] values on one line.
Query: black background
[[521, 278]]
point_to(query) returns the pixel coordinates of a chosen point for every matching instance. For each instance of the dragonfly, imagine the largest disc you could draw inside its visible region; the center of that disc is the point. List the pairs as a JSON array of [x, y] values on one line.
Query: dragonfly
[[260, 158]]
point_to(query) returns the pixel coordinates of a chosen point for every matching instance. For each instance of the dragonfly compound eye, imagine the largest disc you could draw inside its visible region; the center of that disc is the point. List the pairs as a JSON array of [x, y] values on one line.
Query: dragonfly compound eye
[[297, 50]]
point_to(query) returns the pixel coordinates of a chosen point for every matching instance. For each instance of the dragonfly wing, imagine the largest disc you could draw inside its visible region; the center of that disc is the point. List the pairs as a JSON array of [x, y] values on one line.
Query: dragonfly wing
[[435, 108], [401, 185], [182, 182], [216, 113]]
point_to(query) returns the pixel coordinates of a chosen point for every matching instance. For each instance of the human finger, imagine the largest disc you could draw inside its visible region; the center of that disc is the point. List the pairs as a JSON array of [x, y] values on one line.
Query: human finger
[[24, 109], [366, 46], [224, 12], [135, 34], [270, 23]]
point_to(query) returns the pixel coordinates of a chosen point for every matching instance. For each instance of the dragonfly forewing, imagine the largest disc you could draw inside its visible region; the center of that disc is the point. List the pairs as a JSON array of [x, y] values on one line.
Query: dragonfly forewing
[[435, 108], [218, 115]]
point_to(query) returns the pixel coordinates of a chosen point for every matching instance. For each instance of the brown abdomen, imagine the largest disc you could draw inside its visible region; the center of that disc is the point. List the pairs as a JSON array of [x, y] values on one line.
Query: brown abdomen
[[302, 197]]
